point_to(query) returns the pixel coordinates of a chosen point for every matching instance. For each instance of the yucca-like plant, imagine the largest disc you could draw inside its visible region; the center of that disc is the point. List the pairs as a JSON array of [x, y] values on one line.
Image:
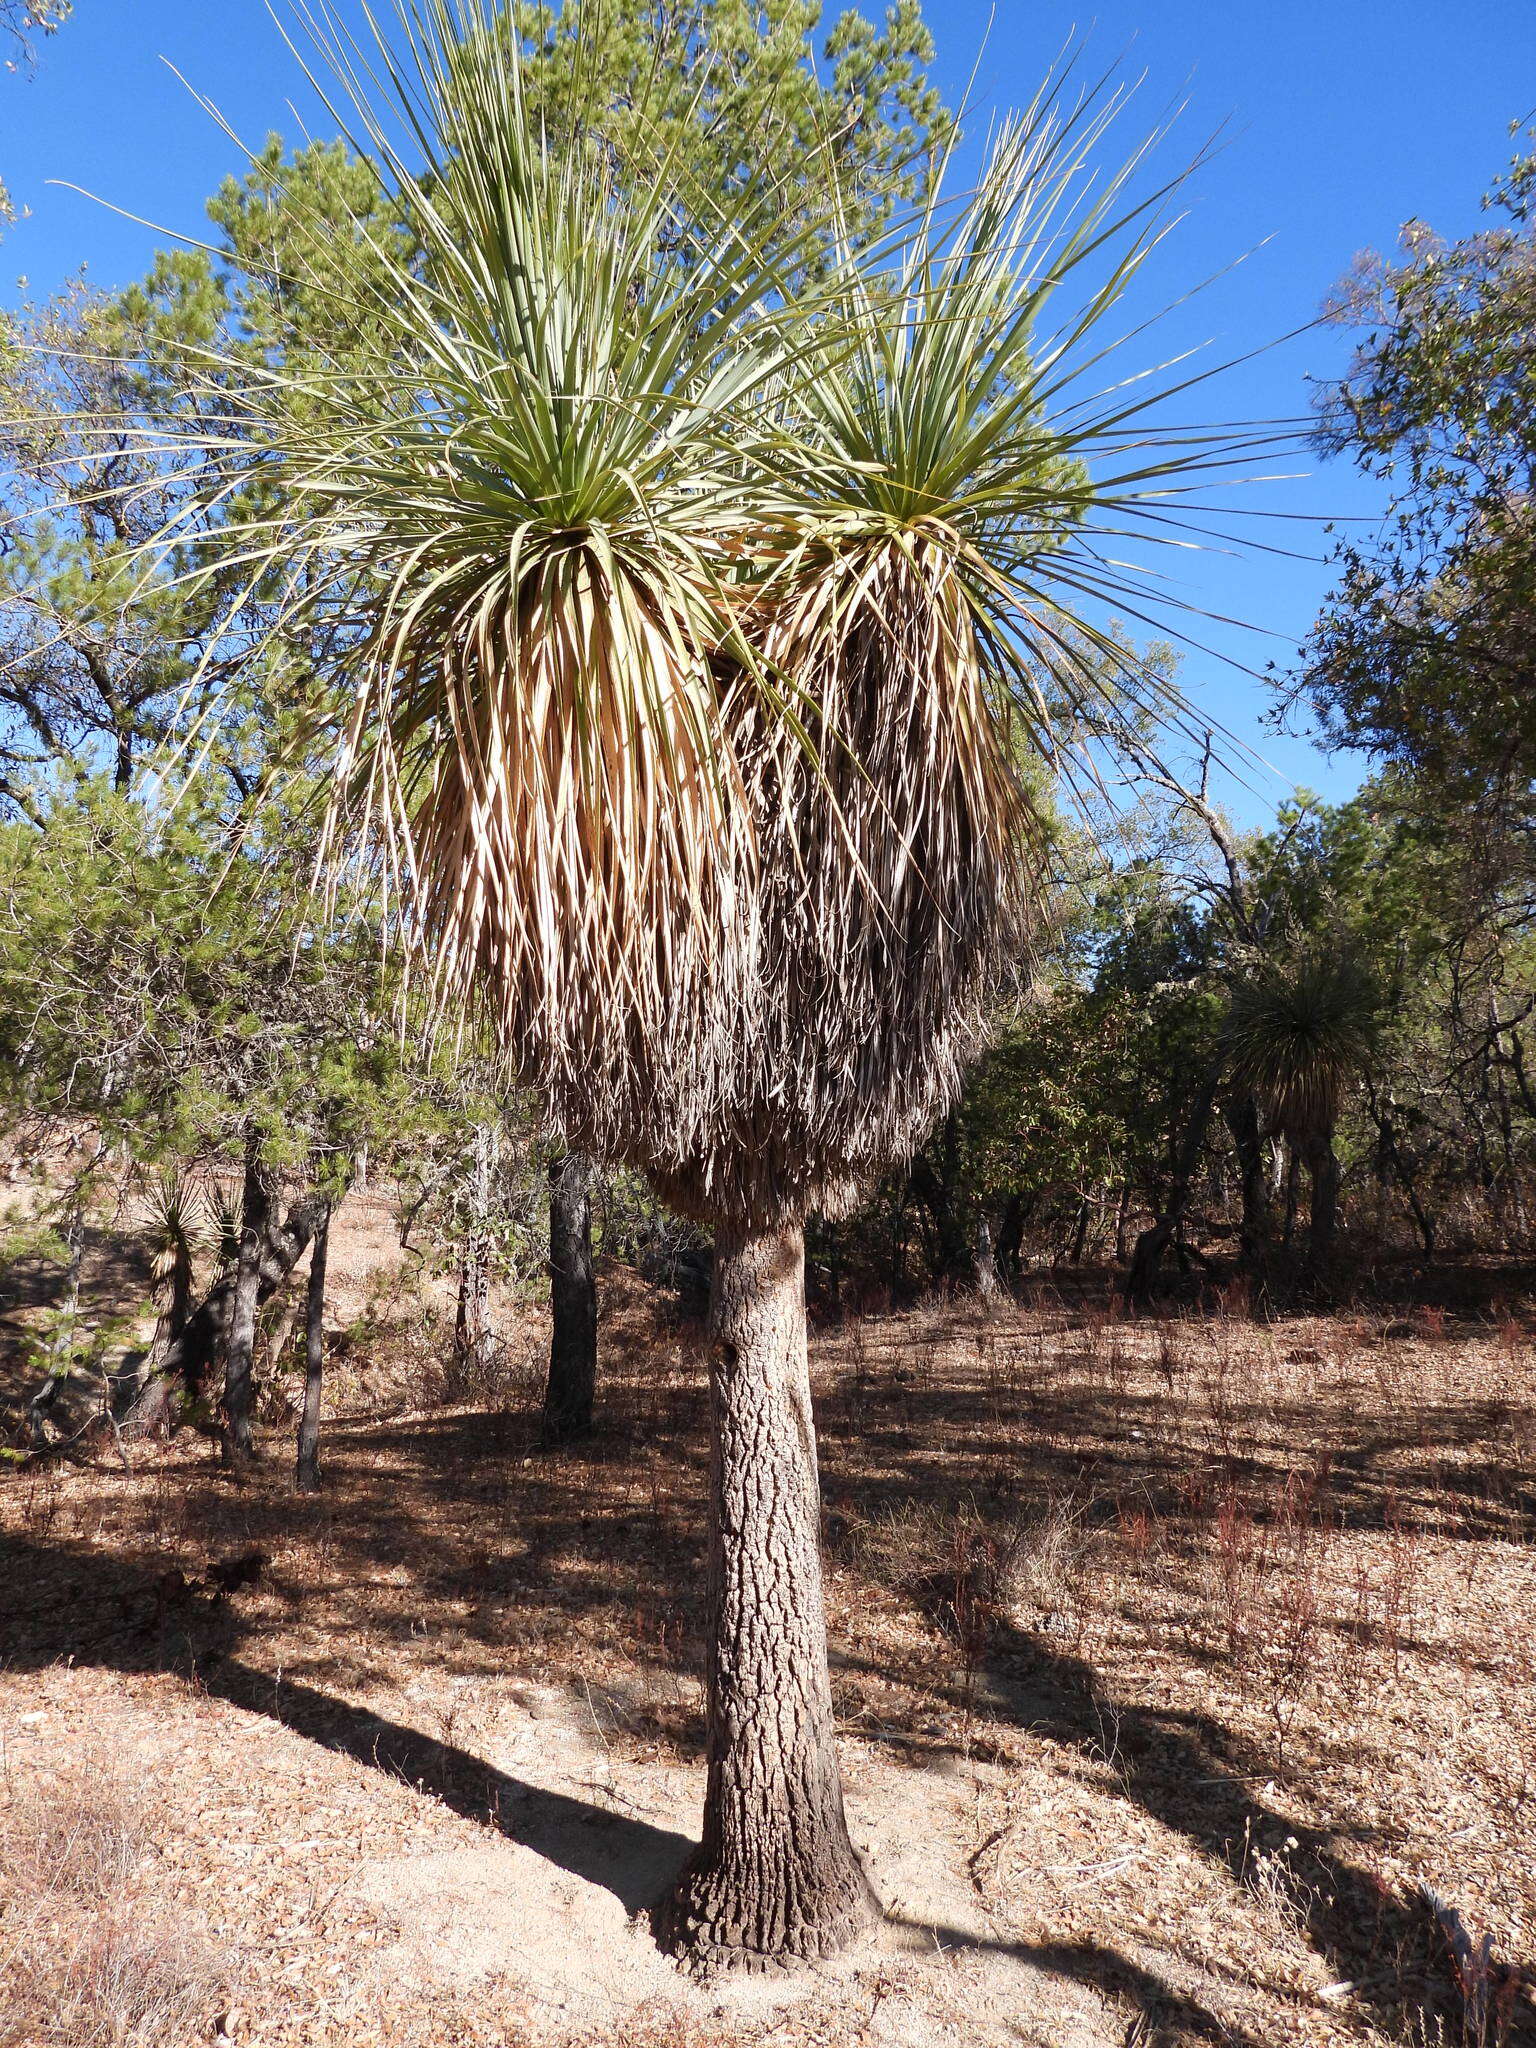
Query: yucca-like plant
[[692, 615], [176, 1234], [1302, 1030]]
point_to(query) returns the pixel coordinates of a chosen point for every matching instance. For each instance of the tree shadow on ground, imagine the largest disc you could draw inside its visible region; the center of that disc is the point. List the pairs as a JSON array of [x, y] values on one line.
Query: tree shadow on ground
[[104, 1611], [1163, 2016], [493, 1542], [1186, 1774], [129, 1619]]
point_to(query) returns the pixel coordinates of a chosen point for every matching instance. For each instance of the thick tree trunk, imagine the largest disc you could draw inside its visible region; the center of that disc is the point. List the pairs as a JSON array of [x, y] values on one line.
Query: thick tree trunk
[[190, 1357], [1324, 1168], [307, 1474], [1010, 1239], [776, 1876], [572, 1383], [1242, 1114], [172, 1319], [240, 1354]]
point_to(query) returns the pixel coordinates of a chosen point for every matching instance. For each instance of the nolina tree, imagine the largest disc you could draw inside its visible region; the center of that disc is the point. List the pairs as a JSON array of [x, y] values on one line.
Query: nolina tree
[[690, 591], [1302, 1029]]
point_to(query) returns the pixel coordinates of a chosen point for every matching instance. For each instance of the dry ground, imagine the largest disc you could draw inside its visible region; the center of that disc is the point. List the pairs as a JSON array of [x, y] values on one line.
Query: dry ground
[[1185, 1672]]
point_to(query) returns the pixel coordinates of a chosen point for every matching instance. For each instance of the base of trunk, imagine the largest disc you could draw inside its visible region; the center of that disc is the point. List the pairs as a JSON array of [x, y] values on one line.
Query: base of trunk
[[706, 1925]]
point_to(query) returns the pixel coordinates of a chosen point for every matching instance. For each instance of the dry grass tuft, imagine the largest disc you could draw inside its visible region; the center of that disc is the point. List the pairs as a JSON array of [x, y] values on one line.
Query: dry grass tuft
[[77, 1832], [1041, 1562], [87, 1958], [129, 1982]]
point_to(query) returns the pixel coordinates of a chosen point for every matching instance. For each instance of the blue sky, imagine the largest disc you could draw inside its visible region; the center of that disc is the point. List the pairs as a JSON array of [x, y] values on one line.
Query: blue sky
[[1338, 120]]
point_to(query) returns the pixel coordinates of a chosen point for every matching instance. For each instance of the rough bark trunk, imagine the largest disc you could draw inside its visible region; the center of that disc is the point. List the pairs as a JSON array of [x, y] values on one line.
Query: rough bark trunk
[[471, 1368], [239, 1357], [776, 1876], [172, 1319], [307, 1474], [572, 1383], [1080, 1232], [130, 1387], [987, 1283], [1010, 1239]]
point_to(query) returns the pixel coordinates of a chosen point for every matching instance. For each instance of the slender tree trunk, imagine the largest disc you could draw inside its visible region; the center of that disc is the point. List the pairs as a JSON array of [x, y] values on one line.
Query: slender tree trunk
[[1122, 1225], [1511, 1204], [1242, 1116], [308, 1472], [1153, 1242], [1383, 1175], [1010, 1239], [776, 1876], [1080, 1232], [473, 1342], [985, 1259], [1421, 1216], [239, 1358], [1292, 1192], [572, 1383]]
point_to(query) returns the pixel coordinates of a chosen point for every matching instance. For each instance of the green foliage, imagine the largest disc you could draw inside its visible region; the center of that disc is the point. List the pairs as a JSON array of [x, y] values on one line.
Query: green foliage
[[176, 997], [32, 1238], [68, 1339], [1425, 653], [95, 649], [735, 92]]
